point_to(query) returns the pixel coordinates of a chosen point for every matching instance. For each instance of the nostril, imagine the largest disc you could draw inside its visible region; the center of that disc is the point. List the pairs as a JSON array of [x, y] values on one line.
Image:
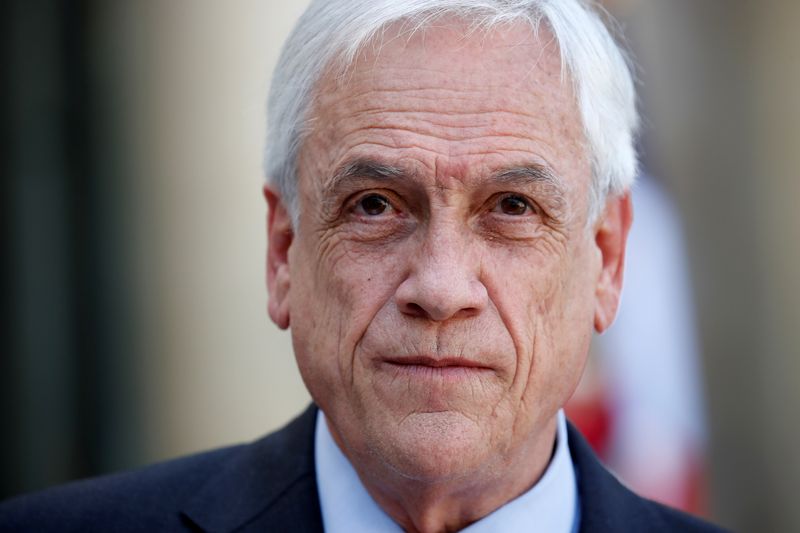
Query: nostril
[[415, 309], [466, 312]]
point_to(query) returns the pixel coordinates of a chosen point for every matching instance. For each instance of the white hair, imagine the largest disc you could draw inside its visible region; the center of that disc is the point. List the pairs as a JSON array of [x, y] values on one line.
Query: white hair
[[332, 30]]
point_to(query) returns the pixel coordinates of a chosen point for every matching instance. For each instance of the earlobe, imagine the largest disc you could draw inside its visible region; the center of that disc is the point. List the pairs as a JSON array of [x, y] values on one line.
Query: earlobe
[[279, 239], [610, 238]]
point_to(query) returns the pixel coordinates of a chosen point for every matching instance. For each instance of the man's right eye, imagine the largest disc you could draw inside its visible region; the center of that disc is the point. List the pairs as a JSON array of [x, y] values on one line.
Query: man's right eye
[[372, 205]]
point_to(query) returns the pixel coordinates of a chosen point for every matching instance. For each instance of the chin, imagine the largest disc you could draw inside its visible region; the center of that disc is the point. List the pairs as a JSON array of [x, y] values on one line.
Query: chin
[[436, 447]]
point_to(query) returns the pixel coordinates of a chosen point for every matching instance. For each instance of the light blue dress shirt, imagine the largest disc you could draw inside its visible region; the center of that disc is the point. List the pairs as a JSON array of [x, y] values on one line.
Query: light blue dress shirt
[[550, 506]]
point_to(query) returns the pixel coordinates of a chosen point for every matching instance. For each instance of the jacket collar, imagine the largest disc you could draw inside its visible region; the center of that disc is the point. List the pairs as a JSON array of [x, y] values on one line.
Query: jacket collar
[[269, 485], [605, 504]]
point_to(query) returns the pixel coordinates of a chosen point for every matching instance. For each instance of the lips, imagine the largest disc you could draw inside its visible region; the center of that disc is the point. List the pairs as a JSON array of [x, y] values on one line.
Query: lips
[[436, 362], [425, 369]]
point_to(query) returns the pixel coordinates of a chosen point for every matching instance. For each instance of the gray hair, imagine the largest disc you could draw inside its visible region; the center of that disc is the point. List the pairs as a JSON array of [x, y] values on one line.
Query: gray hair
[[332, 30]]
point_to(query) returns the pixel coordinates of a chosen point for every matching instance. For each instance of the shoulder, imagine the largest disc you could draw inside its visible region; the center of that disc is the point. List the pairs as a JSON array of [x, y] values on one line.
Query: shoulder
[[607, 505], [148, 496], [173, 495], [674, 520]]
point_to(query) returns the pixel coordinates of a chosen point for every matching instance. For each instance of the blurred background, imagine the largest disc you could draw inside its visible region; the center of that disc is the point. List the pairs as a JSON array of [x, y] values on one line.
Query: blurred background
[[134, 323]]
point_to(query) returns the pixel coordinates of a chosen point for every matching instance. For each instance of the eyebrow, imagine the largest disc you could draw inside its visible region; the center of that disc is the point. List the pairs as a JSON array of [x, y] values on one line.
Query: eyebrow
[[363, 169], [530, 173]]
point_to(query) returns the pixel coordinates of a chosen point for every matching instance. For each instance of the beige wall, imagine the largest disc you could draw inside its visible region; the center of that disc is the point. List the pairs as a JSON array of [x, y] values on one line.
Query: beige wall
[[194, 77], [777, 134]]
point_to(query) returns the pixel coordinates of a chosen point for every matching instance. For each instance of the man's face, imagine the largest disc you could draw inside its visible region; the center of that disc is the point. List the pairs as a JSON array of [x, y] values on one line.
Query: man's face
[[442, 282]]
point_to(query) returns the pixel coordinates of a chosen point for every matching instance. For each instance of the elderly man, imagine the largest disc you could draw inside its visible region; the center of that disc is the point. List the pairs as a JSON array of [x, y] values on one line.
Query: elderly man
[[448, 209]]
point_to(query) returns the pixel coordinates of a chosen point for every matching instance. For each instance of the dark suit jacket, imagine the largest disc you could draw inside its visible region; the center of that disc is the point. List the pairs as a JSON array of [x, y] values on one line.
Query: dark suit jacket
[[270, 485]]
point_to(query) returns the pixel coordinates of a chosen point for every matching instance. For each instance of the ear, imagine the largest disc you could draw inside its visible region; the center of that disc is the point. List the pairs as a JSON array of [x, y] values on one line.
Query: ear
[[611, 235], [279, 239]]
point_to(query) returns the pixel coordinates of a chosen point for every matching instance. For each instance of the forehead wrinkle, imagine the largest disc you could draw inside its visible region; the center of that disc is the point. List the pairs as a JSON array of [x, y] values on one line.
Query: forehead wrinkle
[[377, 94]]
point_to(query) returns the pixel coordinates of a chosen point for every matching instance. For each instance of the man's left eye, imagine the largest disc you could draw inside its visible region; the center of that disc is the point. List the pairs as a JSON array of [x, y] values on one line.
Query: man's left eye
[[513, 205]]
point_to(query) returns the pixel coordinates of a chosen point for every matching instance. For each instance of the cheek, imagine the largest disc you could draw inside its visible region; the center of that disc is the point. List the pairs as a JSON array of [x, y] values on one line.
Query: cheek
[[525, 285], [356, 279], [336, 291], [544, 301], [565, 327]]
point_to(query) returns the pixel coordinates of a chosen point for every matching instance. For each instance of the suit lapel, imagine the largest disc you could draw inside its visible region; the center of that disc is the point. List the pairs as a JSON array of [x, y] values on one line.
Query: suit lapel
[[605, 504], [269, 485]]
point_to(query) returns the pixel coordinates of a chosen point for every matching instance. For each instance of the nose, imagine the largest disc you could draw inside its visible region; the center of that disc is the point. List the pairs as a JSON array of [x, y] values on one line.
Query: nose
[[443, 281]]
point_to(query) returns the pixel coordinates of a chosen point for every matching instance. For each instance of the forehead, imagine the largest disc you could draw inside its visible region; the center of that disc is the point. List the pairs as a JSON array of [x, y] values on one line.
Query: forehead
[[453, 98]]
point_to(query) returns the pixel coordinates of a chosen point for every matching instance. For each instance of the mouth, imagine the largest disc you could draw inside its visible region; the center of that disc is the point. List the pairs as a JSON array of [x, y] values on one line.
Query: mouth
[[421, 366]]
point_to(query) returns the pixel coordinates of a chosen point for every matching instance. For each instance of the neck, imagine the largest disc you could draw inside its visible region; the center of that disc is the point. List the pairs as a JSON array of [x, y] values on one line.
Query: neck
[[452, 504]]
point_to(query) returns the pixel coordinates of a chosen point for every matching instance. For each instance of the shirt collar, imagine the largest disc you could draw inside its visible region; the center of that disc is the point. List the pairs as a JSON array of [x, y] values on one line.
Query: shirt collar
[[550, 505]]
